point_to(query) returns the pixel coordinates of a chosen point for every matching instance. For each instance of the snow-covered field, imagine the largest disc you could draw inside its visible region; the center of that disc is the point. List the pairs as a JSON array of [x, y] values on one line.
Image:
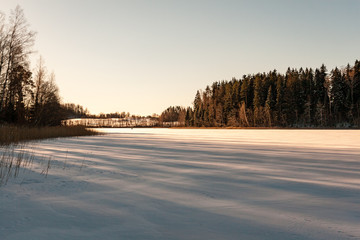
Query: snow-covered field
[[188, 184]]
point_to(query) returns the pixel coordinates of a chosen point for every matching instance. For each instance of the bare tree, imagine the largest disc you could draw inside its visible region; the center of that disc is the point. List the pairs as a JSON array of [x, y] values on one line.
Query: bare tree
[[18, 43], [2, 48], [46, 108], [39, 80], [52, 110]]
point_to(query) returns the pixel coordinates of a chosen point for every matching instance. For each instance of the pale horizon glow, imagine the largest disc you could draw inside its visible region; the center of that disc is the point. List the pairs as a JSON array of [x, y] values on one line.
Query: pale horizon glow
[[143, 56]]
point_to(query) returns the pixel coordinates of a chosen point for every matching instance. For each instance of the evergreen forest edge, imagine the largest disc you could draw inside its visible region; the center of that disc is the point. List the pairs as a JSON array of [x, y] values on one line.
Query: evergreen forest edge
[[303, 98]]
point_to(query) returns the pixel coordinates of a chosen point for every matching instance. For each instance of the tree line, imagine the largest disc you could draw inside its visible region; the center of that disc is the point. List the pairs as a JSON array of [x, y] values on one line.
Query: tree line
[[298, 98], [26, 96], [31, 96]]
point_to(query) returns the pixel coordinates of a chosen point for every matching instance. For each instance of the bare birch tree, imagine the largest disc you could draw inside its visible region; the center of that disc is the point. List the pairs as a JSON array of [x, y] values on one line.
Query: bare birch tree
[[46, 109], [2, 49], [18, 43], [39, 79]]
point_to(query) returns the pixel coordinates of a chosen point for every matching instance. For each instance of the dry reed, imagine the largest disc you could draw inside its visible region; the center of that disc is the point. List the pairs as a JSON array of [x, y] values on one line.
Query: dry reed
[[11, 161], [13, 157], [14, 134]]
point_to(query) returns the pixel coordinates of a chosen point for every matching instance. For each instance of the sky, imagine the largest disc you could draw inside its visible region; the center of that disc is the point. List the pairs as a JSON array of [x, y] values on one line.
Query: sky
[[142, 56]]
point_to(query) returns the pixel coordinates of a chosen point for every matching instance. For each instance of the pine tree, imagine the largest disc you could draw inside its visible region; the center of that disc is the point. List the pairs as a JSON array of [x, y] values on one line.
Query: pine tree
[[357, 92], [279, 101], [189, 117], [338, 94], [244, 90], [197, 109], [19, 78], [258, 100], [290, 105], [228, 102], [269, 106]]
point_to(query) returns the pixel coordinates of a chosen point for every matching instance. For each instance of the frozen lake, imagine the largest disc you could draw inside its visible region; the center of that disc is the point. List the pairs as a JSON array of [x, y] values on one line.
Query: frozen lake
[[188, 184]]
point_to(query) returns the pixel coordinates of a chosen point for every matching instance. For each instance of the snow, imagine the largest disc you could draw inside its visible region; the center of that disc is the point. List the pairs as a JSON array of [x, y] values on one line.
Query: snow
[[188, 184]]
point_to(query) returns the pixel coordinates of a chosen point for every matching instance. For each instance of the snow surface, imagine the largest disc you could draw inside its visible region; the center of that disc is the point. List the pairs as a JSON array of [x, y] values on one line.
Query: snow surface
[[188, 184]]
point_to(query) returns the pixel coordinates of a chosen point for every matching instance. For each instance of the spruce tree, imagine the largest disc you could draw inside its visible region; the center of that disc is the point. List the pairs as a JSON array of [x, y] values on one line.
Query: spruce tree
[[338, 94], [269, 106]]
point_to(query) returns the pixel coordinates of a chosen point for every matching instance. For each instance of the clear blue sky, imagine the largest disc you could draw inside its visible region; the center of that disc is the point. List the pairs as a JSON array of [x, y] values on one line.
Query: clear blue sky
[[143, 56]]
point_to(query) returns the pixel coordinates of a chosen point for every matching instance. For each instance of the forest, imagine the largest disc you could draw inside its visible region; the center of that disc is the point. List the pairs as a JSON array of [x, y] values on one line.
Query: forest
[[298, 98], [27, 96]]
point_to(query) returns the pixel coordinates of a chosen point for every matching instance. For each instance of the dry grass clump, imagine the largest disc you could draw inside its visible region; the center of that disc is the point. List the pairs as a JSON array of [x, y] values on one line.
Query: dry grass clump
[[11, 162], [14, 134], [13, 157]]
